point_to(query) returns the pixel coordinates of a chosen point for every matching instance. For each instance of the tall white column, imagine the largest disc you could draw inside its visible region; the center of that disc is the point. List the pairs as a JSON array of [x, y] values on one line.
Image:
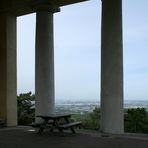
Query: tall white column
[[44, 66], [112, 68], [8, 95]]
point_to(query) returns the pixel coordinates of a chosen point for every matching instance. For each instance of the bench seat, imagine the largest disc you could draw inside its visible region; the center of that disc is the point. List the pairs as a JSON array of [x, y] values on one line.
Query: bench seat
[[71, 124]]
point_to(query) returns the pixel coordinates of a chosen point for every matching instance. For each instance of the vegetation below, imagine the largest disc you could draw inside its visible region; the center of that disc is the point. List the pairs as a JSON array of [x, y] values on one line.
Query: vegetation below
[[135, 119], [26, 109]]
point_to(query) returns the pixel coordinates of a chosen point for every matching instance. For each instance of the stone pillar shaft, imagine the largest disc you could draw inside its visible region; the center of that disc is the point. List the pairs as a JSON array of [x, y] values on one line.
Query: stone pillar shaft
[[112, 67], [44, 68], [8, 98]]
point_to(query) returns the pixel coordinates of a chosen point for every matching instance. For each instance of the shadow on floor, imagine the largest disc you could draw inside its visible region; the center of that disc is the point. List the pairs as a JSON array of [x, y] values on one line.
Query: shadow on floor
[[23, 137]]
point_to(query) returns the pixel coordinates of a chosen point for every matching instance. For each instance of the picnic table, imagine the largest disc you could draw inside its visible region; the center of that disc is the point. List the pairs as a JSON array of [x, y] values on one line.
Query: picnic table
[[58, 121]]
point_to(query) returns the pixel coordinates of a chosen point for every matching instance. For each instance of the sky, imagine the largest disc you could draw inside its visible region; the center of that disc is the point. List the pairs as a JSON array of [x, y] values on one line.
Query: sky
[[77, 36]]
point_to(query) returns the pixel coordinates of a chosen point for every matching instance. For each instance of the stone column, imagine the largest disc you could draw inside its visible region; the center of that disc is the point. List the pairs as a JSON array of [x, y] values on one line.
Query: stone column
[[112, 68], [44, 66], [8, 97]]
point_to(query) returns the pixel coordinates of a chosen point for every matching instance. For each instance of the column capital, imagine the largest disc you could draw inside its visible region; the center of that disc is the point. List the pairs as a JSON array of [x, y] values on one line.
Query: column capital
[[47, 7]]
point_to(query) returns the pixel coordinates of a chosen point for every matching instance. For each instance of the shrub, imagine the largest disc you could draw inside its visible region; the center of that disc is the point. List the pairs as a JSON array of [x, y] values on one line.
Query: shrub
[[90, 120], [136, 120], [26, 109]]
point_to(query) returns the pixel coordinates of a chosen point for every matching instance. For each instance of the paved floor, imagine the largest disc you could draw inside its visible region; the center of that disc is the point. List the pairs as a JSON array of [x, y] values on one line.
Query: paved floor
[[27, 138]]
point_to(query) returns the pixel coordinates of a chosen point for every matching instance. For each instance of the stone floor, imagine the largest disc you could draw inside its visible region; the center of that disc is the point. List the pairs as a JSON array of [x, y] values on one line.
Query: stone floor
[[25, 137]]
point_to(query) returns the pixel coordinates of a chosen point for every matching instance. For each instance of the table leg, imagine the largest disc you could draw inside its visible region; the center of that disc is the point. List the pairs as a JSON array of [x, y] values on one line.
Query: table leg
[[73, 130], [42, 126]]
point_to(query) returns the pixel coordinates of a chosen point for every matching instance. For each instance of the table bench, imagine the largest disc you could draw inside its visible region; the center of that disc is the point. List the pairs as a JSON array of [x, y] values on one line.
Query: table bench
[[58, 121], [70, 125]]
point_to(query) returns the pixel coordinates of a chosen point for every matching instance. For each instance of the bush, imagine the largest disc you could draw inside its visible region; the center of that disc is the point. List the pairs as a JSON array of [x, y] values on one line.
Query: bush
[[26, 108], [136, 120], [93, 120]]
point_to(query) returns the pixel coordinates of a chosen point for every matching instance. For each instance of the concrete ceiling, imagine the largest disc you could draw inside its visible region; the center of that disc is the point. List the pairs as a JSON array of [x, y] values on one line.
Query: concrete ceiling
[[22, 7]]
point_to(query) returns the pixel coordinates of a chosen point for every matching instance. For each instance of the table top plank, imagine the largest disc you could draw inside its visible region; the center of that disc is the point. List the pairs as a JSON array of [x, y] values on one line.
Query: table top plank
[[54, 116]]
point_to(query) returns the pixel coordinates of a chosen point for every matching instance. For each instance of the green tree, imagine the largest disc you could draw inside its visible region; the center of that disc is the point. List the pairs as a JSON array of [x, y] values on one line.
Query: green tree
[[26, 108], [92, 120], [136, 120]]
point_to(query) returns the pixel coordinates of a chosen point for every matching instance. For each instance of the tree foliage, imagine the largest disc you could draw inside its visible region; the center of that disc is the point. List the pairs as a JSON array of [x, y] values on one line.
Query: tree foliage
[[26, 108], [92, 120], [136, 120]]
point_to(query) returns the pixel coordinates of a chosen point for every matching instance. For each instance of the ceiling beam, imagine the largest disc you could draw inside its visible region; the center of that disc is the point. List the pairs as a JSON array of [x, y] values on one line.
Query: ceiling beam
[[22, 7], [68, 2]]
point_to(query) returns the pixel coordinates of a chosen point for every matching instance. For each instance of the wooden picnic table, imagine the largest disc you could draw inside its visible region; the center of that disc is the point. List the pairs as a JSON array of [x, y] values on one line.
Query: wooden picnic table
[[58, 121]]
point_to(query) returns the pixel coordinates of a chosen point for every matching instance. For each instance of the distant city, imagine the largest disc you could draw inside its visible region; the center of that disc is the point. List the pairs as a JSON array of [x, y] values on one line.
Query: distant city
[[88, 106]]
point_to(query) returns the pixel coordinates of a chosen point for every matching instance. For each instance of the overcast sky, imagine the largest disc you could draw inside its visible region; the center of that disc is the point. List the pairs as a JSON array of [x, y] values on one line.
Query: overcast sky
[[77, 31]]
